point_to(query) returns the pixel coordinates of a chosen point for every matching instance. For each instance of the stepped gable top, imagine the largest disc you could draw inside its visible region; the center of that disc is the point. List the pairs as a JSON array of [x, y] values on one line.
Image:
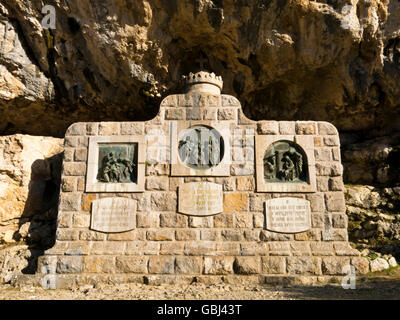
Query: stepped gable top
[[203, 81]]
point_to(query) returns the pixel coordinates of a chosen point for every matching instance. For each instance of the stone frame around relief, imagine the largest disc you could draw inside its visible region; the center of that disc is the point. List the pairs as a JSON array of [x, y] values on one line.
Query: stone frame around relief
[[178, 168], [306, 142], [93, 185]]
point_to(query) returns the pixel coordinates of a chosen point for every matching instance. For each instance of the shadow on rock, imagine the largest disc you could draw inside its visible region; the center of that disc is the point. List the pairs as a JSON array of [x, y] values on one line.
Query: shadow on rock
[[37, 226]]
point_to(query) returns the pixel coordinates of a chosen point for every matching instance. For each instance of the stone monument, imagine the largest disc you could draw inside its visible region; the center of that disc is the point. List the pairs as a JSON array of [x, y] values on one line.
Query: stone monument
[[200, 193]]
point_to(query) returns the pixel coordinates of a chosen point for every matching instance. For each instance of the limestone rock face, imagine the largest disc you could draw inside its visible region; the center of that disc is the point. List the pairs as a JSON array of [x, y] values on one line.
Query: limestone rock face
[[374, 218], [114, 60], [372, 161], [379, 264], [13, 260], [29, 182]]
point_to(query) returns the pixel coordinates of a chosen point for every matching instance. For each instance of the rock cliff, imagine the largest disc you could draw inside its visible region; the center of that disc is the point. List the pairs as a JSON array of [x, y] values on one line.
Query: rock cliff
[[114, 60]]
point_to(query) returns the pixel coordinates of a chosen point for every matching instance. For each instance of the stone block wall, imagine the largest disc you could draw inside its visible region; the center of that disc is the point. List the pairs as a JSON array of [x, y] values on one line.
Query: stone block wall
[[167, 246]]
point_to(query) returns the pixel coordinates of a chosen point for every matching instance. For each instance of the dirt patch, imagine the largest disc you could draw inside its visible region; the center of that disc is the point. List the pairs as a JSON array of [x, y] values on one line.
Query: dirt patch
[[383, 285]]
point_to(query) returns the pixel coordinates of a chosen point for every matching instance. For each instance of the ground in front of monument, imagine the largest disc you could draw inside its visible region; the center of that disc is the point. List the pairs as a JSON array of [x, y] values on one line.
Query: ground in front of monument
[[384, 285]]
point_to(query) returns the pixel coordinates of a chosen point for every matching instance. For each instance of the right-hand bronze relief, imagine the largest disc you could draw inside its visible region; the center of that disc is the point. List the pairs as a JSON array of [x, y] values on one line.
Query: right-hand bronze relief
[[284, 161]]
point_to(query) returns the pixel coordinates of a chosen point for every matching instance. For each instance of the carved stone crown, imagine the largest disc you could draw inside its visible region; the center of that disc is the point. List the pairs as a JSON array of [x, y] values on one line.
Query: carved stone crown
[[203, 81]]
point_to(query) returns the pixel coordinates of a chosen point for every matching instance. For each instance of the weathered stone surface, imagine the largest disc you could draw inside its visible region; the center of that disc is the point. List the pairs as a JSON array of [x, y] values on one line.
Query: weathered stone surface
[[189, 265], [163, 201], [317, 202], [147, 220], [287, 127], [227, 248], [232, 235], [322, 154], [88, 235], [80, 155], [266, 235], [334, 265], [273, 265], [378, 264], [300, 249], [392, 262], [201, 222], [313, 234], [74, 169], [251, 235], [360, 264], [322, 249], [67, 234], [171, 248], [243, 220], [209, 234], [69, 265], [224, 220], [87, 199], [161, 265], [160, 235], [279, 249], [268, 127], [27, 165], [245, 184], [70, 202], [142, 247], [130, 128], [247, 265], [326, 128], [108, 248], [125, 236], [304, 265], [109, 128], [157, 183], [254, 249], [218, 265], [335, 201], [235, 202], [68, 184], [173, 220], [131, 264], [199, 248], [306, 127], [227, 114], [372, 213], [344, 249], [13, 260], [99, 264]]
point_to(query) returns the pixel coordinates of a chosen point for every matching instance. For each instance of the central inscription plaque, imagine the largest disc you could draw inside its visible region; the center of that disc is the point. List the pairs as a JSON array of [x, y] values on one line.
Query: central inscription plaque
[[288, 215], [113, 215], [200, 198]]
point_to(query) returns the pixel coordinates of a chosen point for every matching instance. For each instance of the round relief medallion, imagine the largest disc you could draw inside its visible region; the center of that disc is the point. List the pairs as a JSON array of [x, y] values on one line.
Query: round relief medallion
[[201, 147]]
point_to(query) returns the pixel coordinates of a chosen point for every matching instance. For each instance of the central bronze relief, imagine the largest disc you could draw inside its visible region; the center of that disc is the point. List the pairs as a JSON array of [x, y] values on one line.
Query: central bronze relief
[[201, 147]]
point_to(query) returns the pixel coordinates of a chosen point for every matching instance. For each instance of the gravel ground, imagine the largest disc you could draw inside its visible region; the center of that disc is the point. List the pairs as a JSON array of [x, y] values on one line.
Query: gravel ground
[[382, 289]]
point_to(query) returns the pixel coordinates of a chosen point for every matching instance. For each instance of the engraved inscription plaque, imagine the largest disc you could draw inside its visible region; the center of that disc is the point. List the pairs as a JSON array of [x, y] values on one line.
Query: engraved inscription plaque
[[113, 215], [200, 198], [288, 215]]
